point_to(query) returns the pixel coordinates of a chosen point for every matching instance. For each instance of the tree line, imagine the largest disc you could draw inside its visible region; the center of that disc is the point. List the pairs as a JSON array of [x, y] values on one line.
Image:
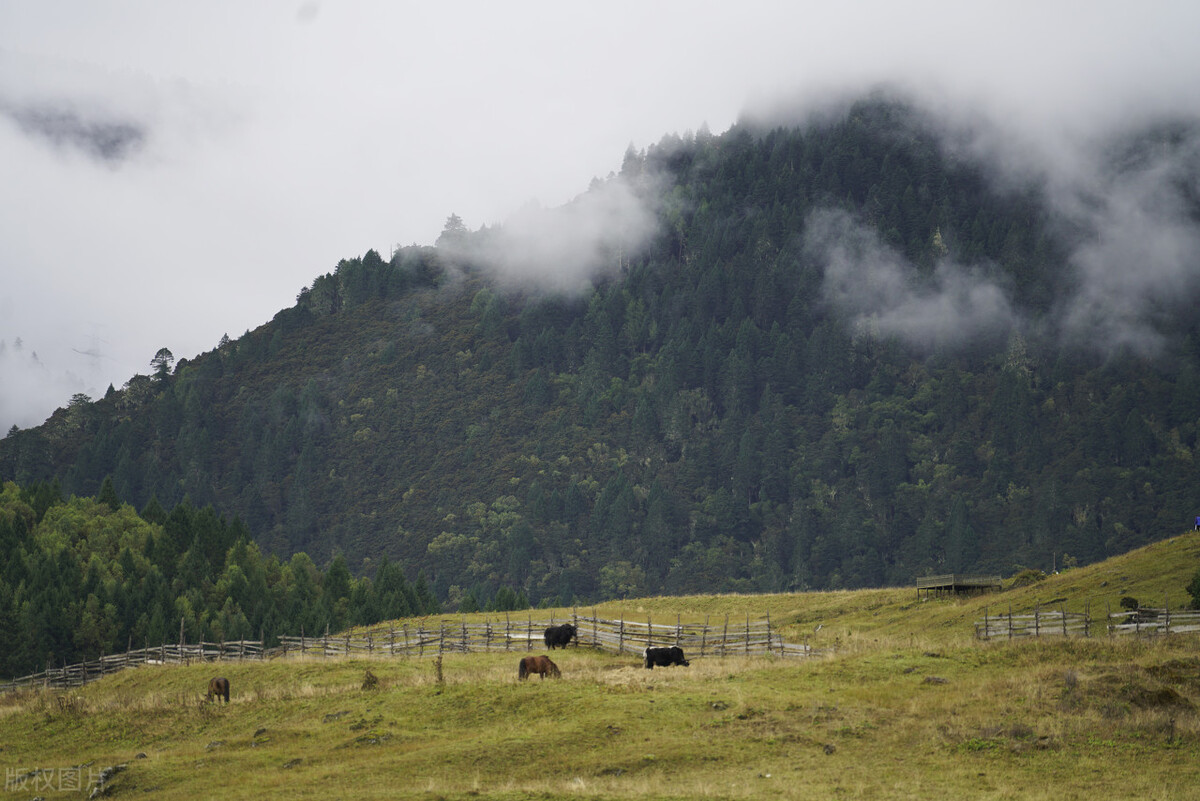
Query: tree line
[[84, 576]]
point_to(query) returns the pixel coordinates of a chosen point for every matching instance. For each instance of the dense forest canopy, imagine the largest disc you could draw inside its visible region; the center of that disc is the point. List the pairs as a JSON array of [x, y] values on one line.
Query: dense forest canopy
[[835, 353], [81, 577]]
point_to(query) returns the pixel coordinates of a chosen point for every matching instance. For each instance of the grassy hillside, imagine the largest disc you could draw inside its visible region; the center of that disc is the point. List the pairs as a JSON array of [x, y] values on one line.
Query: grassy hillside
[[909, 704], [1156, 574]]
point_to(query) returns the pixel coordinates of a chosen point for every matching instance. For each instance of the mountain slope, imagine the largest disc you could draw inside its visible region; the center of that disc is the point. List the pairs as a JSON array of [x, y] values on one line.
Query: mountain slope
[[838, 353]]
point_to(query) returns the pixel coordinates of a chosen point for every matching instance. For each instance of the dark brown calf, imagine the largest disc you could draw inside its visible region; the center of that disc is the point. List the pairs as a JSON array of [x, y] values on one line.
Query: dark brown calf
[[220, 688]]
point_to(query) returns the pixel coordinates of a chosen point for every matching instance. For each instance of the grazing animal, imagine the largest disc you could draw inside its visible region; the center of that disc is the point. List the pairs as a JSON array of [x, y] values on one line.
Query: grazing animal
[[220, 688], [561, 636], [664, 657], [540, 665]]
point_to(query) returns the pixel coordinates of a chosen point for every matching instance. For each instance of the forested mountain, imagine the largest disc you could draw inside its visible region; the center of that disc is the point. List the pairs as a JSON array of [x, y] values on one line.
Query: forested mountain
[[839, 352]]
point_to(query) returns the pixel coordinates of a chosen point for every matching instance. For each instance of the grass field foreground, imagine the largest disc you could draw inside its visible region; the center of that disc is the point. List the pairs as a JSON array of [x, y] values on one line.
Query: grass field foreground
[[906, 705]]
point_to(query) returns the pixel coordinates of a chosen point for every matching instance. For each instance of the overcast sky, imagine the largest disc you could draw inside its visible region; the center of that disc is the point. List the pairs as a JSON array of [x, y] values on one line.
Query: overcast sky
[[172, 172]]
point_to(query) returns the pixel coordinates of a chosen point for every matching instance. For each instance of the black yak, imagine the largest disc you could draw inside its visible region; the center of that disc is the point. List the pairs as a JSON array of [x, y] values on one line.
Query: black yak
[[561, 636], [664, 657]]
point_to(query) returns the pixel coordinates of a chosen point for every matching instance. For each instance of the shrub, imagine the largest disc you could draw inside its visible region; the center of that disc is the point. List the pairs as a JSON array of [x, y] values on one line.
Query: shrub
[[1194, 590], [1026, 577]]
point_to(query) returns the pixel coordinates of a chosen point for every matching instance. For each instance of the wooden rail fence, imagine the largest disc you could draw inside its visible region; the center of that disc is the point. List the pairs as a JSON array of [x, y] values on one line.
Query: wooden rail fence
[[174, 653], [619, 636], [724, 638], [1049, 622]]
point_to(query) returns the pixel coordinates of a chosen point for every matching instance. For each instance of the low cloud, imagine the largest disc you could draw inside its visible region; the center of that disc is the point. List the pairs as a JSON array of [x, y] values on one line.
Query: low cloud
[[31, 386], [881, 291], [105, 139], [1124, 202], [1137, 260], [565, 249], [1124, 198]]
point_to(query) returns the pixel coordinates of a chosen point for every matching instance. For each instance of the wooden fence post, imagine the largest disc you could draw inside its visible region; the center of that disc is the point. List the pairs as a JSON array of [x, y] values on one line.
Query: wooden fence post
[[725, 635], [704, 635]]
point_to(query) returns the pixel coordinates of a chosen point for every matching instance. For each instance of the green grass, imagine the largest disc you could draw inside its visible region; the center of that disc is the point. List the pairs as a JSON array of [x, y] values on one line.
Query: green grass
[[908, 705]]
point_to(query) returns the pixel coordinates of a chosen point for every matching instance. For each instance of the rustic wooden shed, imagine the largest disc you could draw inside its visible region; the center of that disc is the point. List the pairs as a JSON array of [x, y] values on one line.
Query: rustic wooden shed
[[957, 584]]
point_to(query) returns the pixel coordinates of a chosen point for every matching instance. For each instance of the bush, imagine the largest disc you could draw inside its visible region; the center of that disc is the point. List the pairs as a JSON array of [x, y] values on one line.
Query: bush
[[1194, 590], [1026, 577]]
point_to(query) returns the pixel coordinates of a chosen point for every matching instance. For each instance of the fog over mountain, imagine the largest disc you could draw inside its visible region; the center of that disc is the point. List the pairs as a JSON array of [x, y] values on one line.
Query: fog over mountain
[[566, 248], [173, 174], [879, 289]]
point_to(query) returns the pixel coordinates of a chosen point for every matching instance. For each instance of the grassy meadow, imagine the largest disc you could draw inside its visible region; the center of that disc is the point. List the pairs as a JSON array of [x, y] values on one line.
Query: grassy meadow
[[903, 703]]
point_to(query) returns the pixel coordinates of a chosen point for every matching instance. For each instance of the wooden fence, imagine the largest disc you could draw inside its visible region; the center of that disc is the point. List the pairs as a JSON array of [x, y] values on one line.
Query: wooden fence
[[619, 636], [175, 653], [726, 638], [1051, 622]]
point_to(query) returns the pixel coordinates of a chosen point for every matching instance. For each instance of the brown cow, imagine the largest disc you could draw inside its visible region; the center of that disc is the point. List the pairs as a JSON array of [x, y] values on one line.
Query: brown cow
[[220, 688], [538, 664]]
